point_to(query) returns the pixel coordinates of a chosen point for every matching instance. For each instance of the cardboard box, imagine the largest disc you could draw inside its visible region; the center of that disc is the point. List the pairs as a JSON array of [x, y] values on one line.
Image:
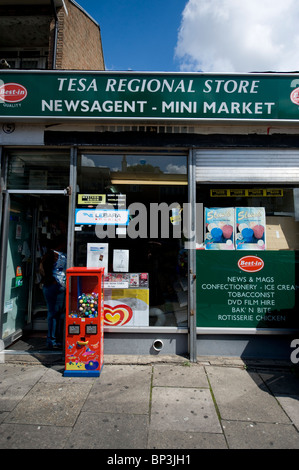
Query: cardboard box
[[282, 233]]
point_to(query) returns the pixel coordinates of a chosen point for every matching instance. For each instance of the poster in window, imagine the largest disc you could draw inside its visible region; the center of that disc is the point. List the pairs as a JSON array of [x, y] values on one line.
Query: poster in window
[[121, 261], [250, 228], [97, 255], [219, 228], [126, 307]]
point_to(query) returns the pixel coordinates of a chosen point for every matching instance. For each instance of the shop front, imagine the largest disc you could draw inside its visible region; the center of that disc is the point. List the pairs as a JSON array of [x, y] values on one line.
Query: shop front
[[124, 216], [183, 187]]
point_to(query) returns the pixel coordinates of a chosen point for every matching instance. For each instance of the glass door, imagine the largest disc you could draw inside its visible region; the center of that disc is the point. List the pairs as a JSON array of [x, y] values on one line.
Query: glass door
[[36, 184], [32, 224], [18, 274], [51, 225]]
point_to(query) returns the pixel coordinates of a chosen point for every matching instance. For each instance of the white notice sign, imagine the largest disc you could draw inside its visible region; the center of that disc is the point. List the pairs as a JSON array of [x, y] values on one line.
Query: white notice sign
[[97, 255], [121, 261]]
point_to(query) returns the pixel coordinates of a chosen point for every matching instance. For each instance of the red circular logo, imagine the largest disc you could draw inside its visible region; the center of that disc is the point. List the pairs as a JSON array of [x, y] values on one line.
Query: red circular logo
[[250, 264], [295, 96], [12, 92]]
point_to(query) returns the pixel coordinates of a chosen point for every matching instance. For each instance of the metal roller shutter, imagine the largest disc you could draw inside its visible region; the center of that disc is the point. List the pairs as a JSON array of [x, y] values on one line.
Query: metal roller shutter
[[252, 166]]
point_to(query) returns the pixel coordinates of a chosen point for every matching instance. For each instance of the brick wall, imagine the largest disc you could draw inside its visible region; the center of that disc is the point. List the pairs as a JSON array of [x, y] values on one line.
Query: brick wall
[[79, 45]]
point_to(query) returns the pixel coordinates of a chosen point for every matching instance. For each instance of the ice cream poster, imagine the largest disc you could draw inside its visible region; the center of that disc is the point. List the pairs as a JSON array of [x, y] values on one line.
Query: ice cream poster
[[126, 307], [219, 228], [250, 228]]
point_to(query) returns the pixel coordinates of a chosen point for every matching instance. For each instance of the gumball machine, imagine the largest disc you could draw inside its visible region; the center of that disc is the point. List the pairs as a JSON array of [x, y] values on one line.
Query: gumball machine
[[84, 325]]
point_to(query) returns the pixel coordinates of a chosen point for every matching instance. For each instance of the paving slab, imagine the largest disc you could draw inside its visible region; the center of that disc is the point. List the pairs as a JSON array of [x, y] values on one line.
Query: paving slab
[[185, 440], [281, 382], [183, 409], [10, 374], [150, 404], [252, 435], [290, 404], [54, 374], [3, 415], [180, 376], [50, 404], [144, 359], [95, 430], [34, 358], [121, 389], [23, 436], [15, 382], [285, 387], [242, 395]]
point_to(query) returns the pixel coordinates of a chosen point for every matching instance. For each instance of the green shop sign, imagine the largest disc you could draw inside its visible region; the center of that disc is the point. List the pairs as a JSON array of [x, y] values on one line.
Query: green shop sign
[[160, 96], [248, 289]]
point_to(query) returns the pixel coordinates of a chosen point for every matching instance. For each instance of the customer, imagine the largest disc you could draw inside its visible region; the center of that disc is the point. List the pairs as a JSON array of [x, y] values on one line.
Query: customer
[[53, 272]]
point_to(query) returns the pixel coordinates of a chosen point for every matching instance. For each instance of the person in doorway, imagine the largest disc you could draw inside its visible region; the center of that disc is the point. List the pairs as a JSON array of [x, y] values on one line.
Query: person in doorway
[[53, 272]]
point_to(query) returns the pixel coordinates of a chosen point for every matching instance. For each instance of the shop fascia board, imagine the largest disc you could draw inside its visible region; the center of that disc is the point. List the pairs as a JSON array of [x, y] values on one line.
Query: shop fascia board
[[274, 92]]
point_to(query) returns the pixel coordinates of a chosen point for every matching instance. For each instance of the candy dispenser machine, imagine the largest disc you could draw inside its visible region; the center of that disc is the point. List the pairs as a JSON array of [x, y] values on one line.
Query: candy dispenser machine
[[84, 326]]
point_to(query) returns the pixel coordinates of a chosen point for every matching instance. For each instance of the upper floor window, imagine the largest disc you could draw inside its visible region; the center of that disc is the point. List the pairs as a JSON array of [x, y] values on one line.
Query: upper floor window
[[35, 58]]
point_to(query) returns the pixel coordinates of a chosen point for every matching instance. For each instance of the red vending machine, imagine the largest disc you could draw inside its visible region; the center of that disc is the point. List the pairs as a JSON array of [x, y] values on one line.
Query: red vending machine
[[84, 326]]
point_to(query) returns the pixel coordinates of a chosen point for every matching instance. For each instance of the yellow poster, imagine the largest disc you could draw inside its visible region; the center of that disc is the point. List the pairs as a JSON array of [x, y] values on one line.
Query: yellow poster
[[126, 307]]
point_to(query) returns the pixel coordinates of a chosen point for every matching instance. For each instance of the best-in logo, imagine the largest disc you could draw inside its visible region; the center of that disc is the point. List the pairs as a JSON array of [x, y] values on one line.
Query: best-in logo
[[250, 264], [295, 96], [12, 93]]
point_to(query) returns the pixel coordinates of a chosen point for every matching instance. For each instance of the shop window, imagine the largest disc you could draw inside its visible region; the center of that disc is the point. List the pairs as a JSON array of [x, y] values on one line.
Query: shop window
[[279, 204], [38, 170], [135, 169], [145, 271], [247, 263]]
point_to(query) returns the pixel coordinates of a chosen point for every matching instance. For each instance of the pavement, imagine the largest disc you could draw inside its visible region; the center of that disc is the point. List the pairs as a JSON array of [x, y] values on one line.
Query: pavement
[[148, 402]]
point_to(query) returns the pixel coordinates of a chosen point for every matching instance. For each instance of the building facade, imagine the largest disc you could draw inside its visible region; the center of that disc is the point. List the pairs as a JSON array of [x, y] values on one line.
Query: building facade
[[184, 187], [49, 34]]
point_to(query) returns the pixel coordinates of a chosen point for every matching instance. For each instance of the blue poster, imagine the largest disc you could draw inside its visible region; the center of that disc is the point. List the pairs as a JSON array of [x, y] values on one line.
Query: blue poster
[[219, 228], [250, 228]]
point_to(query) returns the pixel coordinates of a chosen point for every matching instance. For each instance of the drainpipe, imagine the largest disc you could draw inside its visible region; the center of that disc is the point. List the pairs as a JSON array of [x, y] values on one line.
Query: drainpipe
[[55, 35]]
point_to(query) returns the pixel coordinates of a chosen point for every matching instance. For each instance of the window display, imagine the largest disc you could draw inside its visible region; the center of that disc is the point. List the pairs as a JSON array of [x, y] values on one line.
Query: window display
[[126, 299], [240, 228], [126, 307], [143, 253], [262, 218], [255, 285]]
